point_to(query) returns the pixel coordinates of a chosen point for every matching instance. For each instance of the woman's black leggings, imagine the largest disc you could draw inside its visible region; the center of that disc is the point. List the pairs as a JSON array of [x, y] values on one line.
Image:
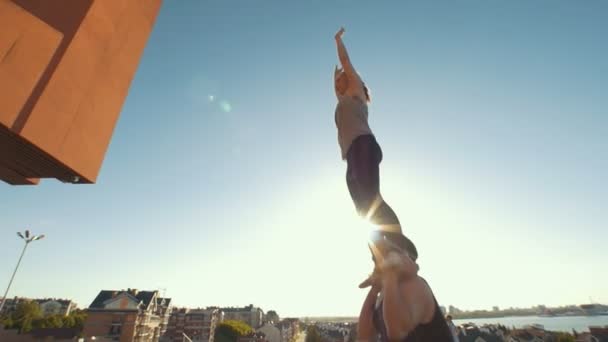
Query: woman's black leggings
[[363, 180]]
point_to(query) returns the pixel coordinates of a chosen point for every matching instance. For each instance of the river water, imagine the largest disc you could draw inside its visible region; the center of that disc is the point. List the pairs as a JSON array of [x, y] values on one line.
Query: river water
[[562, 323]]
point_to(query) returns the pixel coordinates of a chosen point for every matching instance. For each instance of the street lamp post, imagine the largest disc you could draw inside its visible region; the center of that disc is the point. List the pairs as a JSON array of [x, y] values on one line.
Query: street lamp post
[[27, 238]]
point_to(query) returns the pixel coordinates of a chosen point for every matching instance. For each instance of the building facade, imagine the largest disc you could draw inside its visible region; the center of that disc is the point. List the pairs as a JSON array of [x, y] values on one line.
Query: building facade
[[126, 316], [289, 328], [53, 306], [197, 324], [250, 314], [64, 76], [271, 332]]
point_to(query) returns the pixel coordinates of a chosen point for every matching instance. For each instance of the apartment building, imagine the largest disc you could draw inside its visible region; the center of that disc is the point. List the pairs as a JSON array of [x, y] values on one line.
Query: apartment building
[[197, 324], [127, 316], [254, 316], [52, 306]]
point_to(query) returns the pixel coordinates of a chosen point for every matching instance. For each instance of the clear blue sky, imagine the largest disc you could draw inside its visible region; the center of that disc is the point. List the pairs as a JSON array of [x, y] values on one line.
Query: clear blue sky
[[223, 182]]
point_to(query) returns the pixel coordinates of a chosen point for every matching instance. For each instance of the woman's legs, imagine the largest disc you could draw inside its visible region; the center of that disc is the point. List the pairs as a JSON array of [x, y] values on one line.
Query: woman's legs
[[363, 180]]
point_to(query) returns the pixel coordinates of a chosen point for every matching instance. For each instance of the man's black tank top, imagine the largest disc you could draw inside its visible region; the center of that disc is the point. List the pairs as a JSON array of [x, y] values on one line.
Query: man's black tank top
[[434, 331]]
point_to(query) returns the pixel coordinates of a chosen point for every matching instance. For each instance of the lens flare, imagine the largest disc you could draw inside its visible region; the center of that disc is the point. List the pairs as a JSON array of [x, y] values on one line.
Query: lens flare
[[225, 106], [395, 228]]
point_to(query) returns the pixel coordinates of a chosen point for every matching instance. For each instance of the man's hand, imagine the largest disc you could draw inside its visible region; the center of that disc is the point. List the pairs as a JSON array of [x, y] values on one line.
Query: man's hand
[[400, 264], [374, 280], [339, 33]]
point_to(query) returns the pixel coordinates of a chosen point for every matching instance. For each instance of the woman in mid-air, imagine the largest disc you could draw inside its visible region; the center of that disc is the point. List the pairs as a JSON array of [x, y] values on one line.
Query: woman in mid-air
[[358, 144], [400, 305]]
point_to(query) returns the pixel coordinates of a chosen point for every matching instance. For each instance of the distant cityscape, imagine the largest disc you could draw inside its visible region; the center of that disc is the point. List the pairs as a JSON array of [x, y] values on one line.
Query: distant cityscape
[[133, 315]]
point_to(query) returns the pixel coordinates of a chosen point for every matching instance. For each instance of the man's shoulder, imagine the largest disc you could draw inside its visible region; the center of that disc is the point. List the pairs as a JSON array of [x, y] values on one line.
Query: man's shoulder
[[419, 299], [418, 291], [416, 282]]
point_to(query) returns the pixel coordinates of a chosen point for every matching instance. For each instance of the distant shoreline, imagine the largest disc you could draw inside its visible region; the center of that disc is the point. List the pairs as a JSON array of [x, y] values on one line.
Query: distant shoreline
[[346, 319], [508, 316], [339, 319], [522, 315]]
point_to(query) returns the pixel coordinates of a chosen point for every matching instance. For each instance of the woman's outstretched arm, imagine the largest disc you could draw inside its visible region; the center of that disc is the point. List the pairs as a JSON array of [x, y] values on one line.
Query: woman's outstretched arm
[[343, 56]]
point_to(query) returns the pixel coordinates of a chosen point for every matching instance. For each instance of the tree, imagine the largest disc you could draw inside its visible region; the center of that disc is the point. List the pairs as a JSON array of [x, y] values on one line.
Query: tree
[[79, 318], [28, 315], [231, 330], [25, 325], [272, 316], [27, 309], [564, 337], [312, 334], [69, 321], [54, 321], [24, 316], [7, 322]]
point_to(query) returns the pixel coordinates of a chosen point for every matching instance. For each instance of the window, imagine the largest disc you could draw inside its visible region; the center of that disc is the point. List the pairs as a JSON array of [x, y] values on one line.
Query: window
[[115, 329]]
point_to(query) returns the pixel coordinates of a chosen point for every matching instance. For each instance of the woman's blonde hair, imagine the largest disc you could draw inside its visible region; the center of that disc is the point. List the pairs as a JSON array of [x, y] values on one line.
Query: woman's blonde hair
[[339, 72], [367, 97]]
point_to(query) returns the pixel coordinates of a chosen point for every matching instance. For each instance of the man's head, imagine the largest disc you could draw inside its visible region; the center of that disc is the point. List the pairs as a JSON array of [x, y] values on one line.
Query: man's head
[[448, 318]]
